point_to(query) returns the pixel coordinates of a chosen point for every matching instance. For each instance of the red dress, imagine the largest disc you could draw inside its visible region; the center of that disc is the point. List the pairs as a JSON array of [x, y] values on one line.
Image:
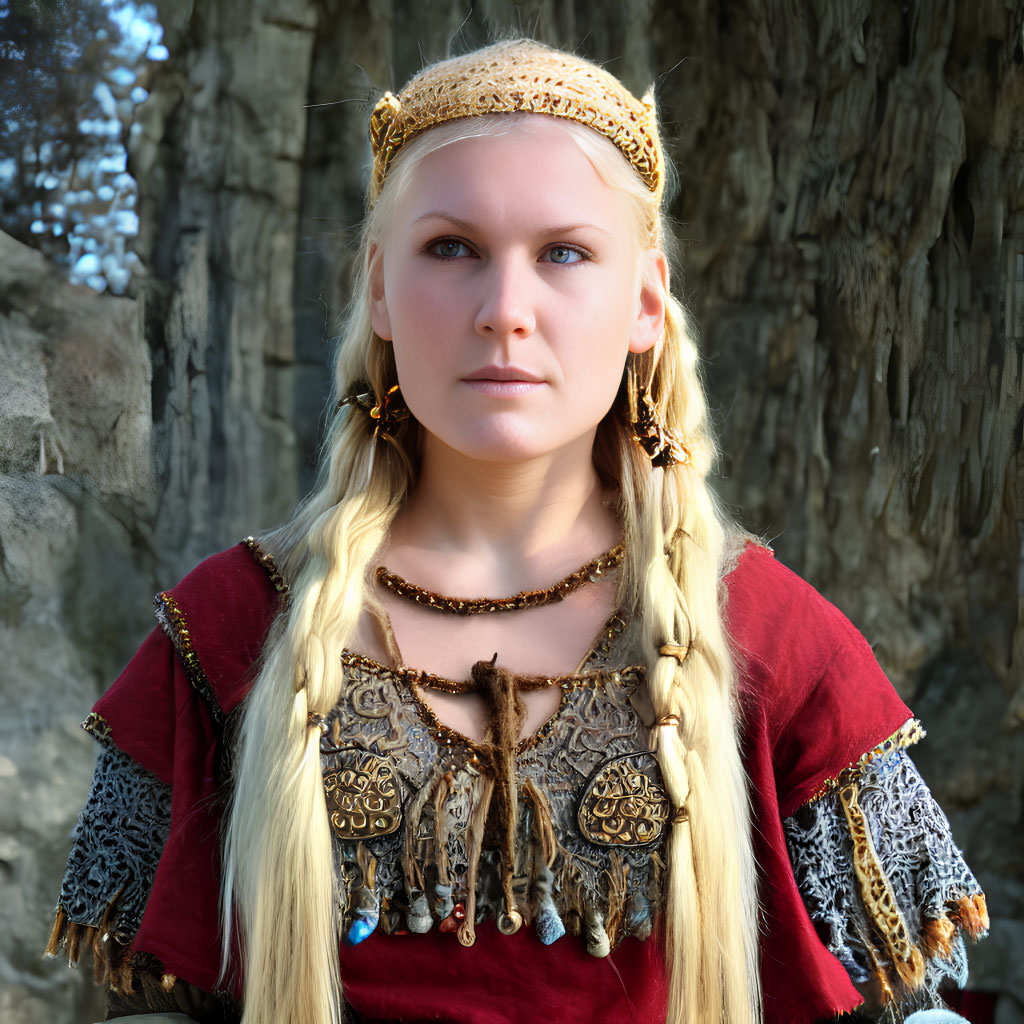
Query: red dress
[[813, 702]]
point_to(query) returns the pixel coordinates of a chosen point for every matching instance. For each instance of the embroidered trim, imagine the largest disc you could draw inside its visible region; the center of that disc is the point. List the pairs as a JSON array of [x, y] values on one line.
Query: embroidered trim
[[175, 625], [96, 725], [118, 841], [452, 739], [879, 899], [919, 891], [609, 635], [475, 843], [266, 561], [909, 733]]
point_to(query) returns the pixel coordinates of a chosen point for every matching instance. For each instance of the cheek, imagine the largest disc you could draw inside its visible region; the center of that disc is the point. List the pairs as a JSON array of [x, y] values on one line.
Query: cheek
[[426, 313]]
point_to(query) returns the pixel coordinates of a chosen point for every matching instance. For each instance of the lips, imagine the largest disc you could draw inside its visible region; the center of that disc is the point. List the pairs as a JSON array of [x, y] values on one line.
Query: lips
[[504, 374]]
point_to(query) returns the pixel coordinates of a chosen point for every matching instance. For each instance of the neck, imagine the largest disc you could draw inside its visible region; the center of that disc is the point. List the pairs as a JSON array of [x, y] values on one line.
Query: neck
[[507, 514]]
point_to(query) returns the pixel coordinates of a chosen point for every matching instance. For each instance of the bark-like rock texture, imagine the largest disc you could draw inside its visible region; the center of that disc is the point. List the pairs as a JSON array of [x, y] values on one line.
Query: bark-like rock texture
[[851, 216], [219, 164], [850, 219]]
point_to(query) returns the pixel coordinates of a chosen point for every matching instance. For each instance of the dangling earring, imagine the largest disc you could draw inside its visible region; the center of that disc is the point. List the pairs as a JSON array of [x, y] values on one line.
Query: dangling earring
[[386, 412], [664, 447]]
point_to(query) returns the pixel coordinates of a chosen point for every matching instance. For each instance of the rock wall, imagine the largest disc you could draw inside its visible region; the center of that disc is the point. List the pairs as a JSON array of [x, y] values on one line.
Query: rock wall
[[218, 162], [76, 490], [851, 212]]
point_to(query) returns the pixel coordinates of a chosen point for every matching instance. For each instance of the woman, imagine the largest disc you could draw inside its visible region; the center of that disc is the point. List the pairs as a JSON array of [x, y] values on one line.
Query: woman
[[692, 817]]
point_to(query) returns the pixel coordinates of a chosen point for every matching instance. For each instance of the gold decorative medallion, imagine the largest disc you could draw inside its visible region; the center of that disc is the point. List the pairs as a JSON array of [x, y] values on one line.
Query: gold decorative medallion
[[363, 796], [624, 802]]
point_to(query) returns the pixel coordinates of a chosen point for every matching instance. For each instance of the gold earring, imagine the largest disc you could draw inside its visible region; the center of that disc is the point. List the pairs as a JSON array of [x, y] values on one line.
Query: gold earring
[[663, 446], [386, 412]]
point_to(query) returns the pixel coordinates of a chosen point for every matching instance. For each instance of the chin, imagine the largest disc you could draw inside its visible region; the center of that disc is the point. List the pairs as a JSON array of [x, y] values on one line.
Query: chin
[[491, 443]]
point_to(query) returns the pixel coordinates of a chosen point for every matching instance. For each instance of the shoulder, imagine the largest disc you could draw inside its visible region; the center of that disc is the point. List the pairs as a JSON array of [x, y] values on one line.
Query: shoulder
[[238, 580], [808, 679], [218, 617], [766, 600], [197, 663], [780, 626]]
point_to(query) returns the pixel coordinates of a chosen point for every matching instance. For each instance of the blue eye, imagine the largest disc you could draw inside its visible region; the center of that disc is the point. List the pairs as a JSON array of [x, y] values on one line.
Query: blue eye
[[563, 254], [448, 248]]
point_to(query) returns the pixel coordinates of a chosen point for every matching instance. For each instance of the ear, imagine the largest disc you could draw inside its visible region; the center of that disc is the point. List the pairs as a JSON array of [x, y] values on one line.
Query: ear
[[649, 325], [380, 319]]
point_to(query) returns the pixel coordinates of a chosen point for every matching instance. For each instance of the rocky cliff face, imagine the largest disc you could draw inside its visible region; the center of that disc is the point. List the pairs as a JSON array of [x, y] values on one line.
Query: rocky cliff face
[[76, 510]]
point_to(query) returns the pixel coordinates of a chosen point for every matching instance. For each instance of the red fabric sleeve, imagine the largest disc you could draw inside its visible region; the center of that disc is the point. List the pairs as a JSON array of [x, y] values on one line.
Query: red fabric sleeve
[[804, 664], [165, 711], [813, 700]]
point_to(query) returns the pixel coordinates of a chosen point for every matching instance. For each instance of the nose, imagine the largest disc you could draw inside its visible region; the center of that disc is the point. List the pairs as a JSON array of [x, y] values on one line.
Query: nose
[[506, 309]]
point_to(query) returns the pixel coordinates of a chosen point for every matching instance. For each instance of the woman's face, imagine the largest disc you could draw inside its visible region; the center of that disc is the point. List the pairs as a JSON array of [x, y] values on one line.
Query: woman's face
[[512, 288]]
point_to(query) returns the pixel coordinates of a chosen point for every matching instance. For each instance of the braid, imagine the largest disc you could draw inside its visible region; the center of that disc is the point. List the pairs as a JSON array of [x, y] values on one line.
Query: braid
[[675, 542]]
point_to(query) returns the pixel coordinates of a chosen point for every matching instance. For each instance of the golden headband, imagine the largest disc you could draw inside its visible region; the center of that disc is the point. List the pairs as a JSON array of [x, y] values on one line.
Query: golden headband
[[519, 77]]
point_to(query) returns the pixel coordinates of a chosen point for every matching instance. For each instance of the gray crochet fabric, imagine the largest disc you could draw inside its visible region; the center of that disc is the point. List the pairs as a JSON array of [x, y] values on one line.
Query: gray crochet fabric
[[118, 841], [916, 851]]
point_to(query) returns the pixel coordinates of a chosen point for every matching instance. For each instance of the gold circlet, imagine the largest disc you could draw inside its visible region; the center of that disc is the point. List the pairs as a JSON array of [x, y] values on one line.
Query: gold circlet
[[591, 572], [519, 76]]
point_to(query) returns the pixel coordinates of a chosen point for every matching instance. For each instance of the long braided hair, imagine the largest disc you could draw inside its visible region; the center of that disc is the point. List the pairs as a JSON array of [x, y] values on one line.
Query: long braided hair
[[279, 887]]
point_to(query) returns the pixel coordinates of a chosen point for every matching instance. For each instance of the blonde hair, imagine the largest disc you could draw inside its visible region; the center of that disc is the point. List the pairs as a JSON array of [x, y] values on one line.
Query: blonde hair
[[279, 883]]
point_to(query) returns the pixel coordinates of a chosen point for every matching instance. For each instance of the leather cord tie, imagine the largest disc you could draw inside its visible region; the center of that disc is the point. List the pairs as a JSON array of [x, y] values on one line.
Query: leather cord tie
[[674, 651], [668, 720], [316, 721]]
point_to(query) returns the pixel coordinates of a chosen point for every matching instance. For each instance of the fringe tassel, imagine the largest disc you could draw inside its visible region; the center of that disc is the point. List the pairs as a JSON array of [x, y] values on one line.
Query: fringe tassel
[[60, 923], [507, 713], [543, 829], [617, 877], [436, 786], [444, 867], [971, 914], [111, 961], [937, 937], [484, 787]]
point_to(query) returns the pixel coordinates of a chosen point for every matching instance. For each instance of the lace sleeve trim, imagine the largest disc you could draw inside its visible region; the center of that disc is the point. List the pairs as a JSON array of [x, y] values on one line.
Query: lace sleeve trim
[[884, 882], [118, 841]]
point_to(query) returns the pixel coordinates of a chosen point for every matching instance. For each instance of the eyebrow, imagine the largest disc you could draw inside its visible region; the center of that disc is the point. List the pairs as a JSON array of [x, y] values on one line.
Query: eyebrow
[[465, 225]]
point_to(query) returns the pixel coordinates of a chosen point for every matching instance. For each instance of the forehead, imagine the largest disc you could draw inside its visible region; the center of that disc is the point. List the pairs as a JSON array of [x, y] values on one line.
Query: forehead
[[518, 167]]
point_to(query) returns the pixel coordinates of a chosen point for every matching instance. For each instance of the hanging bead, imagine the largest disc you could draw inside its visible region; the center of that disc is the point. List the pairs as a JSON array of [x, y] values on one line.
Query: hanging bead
[[598, 943], [418, 919], [548, 926], [638, 917], [510, 921], [366, 916], [443, 904]]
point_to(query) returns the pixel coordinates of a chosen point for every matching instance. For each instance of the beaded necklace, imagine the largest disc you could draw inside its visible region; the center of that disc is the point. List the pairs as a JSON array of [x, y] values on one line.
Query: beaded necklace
[[589, 573]]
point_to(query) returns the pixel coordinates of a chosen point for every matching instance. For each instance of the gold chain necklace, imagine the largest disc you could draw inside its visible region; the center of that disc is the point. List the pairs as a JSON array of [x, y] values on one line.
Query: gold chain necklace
[[589, 573]]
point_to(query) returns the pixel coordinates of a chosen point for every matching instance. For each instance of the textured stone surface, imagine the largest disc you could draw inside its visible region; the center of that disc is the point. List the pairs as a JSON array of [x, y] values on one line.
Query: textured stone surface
[[219, 170], [75, 492]]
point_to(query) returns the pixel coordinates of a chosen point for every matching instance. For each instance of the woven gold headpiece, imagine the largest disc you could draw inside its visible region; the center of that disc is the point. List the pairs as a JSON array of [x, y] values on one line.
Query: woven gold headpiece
[[519, 77]]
